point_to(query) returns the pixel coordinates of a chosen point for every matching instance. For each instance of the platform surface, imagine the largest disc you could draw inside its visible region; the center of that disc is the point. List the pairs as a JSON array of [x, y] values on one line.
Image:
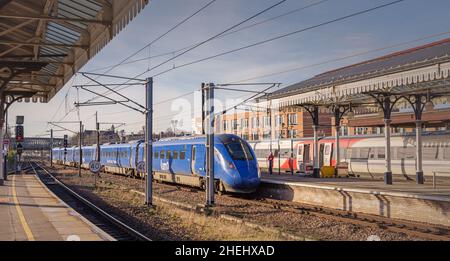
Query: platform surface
[[400, 186], [29, 212]]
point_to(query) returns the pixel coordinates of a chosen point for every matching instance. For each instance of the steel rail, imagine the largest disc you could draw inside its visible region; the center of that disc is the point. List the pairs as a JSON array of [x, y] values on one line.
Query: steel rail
[[98, 210], [411, 228]]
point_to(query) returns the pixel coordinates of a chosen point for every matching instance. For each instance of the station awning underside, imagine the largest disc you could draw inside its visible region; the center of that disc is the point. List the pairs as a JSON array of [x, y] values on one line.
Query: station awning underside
[[43, 43], [423, 70]]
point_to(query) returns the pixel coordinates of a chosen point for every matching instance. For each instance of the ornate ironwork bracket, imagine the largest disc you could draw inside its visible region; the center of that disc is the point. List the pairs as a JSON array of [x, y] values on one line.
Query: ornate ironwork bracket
[[418, 102], [386, 101], [339, 111], [313, 111]]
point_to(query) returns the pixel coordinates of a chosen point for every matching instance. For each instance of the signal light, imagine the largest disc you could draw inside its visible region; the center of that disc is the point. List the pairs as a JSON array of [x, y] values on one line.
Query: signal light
[[19, 133], [65, 143]]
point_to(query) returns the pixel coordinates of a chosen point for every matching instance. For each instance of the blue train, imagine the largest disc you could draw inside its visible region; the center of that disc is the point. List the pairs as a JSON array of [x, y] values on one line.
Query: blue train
[[178, 160]]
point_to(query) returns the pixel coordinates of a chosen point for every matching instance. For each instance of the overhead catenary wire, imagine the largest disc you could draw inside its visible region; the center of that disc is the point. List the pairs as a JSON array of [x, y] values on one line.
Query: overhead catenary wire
[[298, 68], [274, 38], [221, 36], [372, 9], [63, 100], [278, 37], [313, 64], [204, 42], [162, 35]]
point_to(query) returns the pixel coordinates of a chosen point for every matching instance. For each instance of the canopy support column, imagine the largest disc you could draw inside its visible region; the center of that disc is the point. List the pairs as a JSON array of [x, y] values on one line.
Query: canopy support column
[[419, 170], [387, 135], [339, 112], [316, 173], [387, 102], [418, 103], [313, 110]]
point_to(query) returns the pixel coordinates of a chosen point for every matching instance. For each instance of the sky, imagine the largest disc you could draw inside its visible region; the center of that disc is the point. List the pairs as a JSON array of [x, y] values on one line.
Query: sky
[[399, 23]]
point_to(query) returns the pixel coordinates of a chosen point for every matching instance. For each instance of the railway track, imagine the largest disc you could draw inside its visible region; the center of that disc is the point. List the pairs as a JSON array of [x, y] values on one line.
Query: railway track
[[429, 231], [415, 229], [99, 217]]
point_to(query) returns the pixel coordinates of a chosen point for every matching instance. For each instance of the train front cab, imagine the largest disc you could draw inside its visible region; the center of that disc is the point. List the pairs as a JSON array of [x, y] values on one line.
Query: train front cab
[[239, 165], [184, 162]]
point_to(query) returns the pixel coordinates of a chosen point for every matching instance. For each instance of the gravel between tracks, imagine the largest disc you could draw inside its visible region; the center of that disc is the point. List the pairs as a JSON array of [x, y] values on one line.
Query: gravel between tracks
[[165, 222]]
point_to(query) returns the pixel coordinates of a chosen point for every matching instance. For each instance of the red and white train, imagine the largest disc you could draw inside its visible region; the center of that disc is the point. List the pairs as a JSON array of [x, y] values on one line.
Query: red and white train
[[364, 154]]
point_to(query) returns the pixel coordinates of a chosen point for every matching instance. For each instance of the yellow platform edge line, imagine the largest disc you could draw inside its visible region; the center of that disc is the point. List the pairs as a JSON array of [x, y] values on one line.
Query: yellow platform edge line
[[22, 218]]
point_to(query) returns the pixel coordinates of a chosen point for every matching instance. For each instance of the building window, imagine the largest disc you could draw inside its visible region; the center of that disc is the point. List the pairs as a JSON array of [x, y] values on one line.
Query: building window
[[344, 131], [277, 134], [245, 136], [292, 119], [255, 136], [267, 122], [361, 131], [255, 122], [235, 124], [292, 134], [244, 123], [279, 120]]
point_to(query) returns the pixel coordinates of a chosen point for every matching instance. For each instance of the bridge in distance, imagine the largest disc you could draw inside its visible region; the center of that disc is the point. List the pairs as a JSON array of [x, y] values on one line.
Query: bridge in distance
[[38, 143]]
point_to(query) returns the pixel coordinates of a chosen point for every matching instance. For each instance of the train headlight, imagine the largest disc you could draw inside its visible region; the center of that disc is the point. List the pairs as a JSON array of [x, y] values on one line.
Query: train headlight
[[231, 165]]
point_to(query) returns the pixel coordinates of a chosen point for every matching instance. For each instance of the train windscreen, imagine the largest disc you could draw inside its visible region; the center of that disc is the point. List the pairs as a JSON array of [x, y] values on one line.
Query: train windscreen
[[239, 150]]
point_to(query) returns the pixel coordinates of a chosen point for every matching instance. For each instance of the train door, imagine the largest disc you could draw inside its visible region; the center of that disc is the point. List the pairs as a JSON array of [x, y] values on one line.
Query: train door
[[306, 153], [198, 160], [193, 159], [321, 155], [300, 160], [327, 153]]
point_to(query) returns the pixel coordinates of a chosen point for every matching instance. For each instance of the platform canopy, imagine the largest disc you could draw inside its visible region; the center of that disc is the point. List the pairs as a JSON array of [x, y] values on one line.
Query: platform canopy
[[423, 69], [43, 43]]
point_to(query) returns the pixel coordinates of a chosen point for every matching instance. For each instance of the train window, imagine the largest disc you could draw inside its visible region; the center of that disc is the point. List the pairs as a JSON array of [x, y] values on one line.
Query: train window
[[182, 155], [161, 154], [406, 153], [175, 154], [364, 153], [239, 150], [430, 153], [327, 150], [354, 153], [285, 153], [372, 154], [381, 154], [446, 153], [168, 154], [156, 155]]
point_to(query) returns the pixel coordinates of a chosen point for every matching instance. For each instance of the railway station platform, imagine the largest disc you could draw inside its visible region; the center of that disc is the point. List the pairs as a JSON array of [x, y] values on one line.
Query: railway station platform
[[404, 199], [30, 212]]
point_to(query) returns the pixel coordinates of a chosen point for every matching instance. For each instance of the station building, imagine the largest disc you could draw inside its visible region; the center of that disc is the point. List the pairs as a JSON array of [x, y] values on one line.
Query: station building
[[282, 124], [258, 123]]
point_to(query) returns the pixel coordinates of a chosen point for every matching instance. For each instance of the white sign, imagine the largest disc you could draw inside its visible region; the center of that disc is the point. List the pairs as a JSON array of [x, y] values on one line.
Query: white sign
[[141, 167], [95, 166]]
